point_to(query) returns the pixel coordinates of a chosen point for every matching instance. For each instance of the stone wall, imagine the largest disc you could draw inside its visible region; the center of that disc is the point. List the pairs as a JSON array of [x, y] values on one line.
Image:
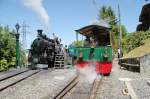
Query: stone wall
[[138, 64], [131, 64], [145, 63]]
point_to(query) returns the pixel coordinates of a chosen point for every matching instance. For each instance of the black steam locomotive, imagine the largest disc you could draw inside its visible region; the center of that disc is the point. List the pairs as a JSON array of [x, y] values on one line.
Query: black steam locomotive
[[43, 50]]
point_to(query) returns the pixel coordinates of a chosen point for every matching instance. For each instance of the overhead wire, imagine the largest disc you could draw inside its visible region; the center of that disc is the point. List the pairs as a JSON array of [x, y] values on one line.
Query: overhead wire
[[95, 4]]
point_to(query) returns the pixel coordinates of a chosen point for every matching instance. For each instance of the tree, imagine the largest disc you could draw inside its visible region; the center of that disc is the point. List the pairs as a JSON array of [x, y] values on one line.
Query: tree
[[7, 48], [77, 43], [108, 14], [135, 40]]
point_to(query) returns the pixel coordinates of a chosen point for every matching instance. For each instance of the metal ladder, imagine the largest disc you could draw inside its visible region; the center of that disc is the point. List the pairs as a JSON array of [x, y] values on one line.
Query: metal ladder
[[59, 61]]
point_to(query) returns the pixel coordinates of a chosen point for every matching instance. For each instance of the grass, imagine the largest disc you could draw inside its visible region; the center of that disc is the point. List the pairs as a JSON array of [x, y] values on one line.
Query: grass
[[139, 51]]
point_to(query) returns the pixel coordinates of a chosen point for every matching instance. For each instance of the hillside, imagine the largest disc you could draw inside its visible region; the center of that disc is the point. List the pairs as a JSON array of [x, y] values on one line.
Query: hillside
[[139, 51]]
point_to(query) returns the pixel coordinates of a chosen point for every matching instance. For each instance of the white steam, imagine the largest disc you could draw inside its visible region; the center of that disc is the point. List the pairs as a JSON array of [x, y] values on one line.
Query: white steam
[[37, 6], [87, 73], [100, 22]]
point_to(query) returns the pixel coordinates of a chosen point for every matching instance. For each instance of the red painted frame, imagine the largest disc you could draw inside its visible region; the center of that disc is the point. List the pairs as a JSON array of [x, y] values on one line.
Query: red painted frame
[[100, 67]]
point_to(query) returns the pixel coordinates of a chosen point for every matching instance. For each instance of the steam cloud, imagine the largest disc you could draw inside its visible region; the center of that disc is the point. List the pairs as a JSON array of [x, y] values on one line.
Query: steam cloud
[[87, 73], [101, 22], [37, 6]]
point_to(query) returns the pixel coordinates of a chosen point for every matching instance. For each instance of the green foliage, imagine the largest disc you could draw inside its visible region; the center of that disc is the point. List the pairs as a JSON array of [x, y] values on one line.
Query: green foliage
[[135, 40], [107, 13], [116, 32], [22, 57], [7, 48], [3, 64], [77, 43]]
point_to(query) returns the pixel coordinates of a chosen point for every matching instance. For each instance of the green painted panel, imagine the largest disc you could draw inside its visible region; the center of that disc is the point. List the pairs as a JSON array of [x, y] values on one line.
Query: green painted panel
[[86, 53], [98, 53], [109, 50]]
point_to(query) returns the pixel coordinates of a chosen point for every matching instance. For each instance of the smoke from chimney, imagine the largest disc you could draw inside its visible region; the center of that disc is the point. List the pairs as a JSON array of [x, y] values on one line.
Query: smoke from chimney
[[37, 6]]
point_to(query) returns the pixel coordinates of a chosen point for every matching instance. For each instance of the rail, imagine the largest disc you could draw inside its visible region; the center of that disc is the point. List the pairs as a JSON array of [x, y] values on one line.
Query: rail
[[95, 87], [12, 80], [12, 75], [67, 88]]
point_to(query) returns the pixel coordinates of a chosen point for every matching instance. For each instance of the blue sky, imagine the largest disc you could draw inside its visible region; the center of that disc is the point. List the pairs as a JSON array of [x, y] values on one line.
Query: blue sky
[[65, 16]]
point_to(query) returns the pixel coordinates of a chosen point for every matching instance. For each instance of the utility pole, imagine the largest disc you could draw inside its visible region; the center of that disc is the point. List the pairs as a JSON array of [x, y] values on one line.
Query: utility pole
[[24, 40], [120, 33], [24, 32], [95, 4]]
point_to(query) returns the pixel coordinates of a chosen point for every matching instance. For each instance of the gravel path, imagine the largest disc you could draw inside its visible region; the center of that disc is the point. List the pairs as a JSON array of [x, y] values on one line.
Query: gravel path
[[43, 85], [141, 88], [113, 85]]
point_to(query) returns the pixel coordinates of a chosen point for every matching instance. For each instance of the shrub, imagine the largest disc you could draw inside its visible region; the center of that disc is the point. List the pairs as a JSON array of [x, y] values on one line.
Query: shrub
[[135, 40], [3, 64]]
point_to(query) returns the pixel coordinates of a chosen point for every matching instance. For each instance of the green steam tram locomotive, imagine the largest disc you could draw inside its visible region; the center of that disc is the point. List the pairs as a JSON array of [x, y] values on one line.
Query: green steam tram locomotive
[[96, 49]]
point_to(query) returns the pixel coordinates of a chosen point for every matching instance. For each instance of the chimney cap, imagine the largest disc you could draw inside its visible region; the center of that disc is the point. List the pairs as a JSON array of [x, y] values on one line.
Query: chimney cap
[[39, 31]]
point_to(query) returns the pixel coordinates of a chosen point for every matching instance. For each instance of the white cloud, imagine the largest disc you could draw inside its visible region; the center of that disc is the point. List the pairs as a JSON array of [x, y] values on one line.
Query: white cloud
[[37, 6]]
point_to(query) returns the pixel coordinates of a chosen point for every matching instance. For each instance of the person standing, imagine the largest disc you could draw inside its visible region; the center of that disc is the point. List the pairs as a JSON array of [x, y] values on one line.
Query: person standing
[[119, 55], [87, 42], [93, 45]]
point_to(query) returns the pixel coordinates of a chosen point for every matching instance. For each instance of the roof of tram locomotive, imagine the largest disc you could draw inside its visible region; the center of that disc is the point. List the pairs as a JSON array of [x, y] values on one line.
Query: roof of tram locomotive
[[93, 29]]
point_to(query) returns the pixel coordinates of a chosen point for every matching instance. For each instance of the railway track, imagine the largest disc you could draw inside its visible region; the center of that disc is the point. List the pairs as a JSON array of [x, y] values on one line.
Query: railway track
[[67, 88], [6, 75], [95, 88], [15, 78]]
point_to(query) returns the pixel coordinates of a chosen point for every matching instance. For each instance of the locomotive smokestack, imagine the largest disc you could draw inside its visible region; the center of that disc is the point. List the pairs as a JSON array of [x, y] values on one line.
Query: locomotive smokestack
[[39, 32]]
